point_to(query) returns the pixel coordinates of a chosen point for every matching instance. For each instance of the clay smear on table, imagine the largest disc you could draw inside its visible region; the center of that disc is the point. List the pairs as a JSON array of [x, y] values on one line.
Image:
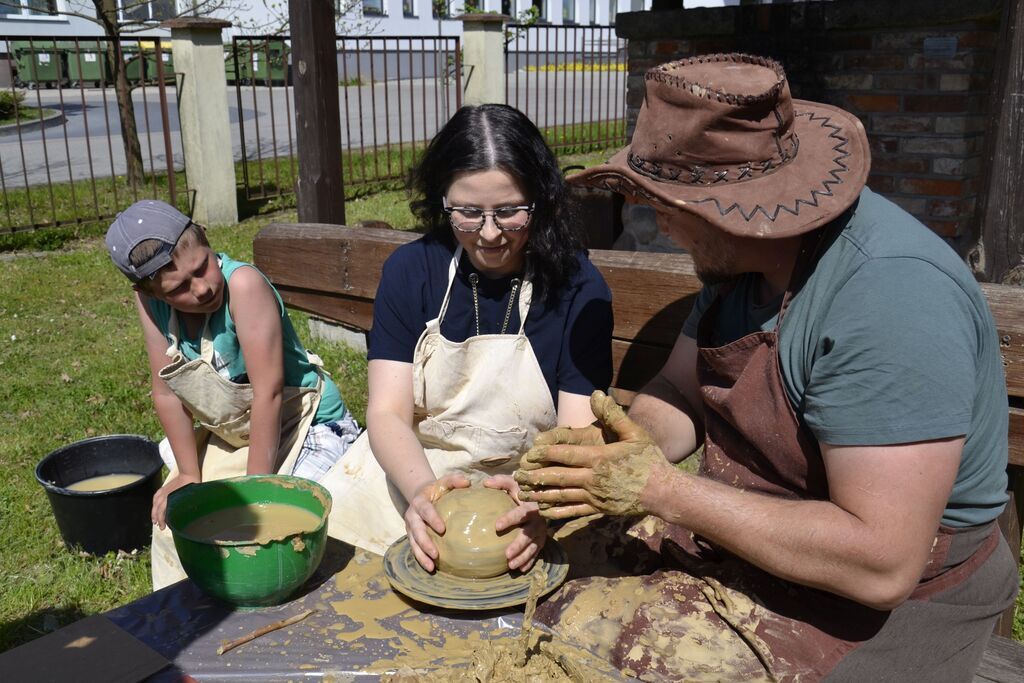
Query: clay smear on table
[[257, 523], [104, 482]]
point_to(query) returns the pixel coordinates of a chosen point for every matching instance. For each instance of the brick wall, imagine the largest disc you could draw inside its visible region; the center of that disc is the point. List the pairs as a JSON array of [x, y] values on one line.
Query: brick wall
[[916, 72]]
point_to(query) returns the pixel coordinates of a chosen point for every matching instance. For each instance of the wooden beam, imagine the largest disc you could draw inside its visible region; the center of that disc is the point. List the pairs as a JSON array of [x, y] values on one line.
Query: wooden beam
[[319, 188], [999, 254]]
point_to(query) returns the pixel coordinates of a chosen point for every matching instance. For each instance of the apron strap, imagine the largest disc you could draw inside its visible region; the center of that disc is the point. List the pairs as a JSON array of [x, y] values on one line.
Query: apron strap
[[453, 266]]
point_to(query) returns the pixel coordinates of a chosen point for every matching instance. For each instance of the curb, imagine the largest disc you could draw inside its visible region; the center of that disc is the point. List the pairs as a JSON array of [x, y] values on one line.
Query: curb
[[52, 118]]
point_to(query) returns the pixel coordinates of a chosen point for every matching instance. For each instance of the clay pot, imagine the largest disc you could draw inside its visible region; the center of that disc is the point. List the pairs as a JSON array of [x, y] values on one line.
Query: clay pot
[[469, 547]]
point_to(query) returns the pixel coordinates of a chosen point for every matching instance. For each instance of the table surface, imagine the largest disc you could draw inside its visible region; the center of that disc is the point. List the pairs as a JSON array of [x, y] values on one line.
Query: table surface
[[361, 629]]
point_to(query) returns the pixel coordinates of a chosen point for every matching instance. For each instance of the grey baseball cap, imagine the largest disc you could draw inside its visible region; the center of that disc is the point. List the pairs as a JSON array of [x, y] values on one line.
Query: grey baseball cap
[[149, 219]]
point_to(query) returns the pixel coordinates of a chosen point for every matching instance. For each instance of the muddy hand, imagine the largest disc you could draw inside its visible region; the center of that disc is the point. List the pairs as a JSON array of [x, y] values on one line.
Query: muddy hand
[[533, 459], [421, 513], [606, 475]]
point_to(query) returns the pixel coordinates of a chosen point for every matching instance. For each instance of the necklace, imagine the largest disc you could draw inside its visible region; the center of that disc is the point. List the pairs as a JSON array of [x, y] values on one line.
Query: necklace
[[474, 279]]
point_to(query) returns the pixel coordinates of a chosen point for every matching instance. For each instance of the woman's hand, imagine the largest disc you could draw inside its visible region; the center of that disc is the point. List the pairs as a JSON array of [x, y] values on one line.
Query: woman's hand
[[421, 513], [159, 511], [533, 530]]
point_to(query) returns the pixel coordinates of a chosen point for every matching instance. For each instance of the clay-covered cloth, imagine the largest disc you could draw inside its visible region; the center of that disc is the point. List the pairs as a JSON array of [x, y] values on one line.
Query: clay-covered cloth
[[669, 608]]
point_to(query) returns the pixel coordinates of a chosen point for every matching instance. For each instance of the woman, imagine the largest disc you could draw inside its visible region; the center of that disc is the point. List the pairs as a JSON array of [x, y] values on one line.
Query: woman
[[488, 330]]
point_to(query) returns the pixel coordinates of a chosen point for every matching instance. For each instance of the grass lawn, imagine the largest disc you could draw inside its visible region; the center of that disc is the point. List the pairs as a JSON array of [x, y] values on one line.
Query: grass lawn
[[73, 366]]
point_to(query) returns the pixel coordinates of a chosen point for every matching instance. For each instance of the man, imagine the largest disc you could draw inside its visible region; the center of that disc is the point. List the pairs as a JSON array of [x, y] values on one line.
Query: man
[[841, 370]]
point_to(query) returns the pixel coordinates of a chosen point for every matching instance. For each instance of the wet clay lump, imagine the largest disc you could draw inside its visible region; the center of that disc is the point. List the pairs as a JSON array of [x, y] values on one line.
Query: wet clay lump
[[257, 523], [470, 548]]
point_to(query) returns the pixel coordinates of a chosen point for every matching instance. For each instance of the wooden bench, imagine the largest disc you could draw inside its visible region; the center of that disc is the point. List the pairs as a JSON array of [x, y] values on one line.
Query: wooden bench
[[332, 272]]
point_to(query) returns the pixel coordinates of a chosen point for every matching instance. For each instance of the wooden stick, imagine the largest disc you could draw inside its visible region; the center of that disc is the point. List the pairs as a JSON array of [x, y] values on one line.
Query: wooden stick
[[230, 645]]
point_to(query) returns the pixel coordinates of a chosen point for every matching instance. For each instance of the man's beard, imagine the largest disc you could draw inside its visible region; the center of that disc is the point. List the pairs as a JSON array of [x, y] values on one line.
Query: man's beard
[[711, 276]]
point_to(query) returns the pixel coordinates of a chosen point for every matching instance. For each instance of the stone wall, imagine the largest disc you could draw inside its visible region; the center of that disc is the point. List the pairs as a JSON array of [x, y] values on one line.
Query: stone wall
[[916, 72]]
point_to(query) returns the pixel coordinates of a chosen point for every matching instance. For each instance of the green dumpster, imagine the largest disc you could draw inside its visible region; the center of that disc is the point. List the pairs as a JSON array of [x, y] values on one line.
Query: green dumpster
[[269, 62], [166, 58], [134, 63], [39, 63], [244, 72], [87, 63]]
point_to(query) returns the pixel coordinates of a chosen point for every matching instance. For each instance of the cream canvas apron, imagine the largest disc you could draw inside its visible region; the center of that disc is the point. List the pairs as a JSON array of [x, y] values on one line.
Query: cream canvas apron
[[223, 409], [478, 404]]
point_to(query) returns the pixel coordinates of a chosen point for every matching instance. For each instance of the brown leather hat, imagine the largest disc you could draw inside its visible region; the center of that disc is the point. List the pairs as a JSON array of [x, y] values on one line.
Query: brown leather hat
[[720, 136]]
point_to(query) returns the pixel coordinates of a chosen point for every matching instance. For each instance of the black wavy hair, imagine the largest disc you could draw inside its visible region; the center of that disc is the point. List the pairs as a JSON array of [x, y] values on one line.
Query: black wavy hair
[[496, 136]]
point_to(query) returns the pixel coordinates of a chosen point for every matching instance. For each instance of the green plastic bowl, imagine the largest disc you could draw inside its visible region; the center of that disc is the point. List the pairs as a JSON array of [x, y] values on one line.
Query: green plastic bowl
[[243, 573]]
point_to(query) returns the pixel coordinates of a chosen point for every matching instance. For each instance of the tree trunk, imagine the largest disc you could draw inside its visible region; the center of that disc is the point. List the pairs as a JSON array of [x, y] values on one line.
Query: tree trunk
[[107, 13]]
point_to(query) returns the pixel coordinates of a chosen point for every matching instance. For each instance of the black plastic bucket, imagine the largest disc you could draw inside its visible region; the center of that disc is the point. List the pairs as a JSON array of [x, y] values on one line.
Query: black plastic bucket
[[100, 521]]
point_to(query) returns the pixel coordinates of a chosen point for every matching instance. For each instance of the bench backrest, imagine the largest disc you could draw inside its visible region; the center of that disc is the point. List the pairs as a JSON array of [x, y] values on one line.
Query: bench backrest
[[332, 272]]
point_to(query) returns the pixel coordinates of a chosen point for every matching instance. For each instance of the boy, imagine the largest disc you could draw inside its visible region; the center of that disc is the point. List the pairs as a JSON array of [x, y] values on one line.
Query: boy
[[222, 351]]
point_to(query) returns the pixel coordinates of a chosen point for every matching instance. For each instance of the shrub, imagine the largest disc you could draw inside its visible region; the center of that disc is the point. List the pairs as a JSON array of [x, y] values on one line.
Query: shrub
[[10, 102]]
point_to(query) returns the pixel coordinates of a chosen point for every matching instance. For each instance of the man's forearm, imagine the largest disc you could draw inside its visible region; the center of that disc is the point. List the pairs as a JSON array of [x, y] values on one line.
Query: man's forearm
[[813, 543], [661, 410]]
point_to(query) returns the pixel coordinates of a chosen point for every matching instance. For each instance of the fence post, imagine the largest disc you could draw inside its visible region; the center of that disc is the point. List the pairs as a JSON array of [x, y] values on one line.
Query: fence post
[[203, 113], [483, 58], [319, 188]]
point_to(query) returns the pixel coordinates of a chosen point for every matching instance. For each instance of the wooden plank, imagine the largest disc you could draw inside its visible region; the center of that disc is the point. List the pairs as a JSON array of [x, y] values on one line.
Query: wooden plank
[[1002, 662]]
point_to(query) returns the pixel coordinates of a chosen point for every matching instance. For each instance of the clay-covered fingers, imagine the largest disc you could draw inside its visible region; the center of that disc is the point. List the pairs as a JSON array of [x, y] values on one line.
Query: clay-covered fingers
[[554, 476], [529, 541], [557, 512], [614, 418], [579, 436], [423, 548], [558, 496]]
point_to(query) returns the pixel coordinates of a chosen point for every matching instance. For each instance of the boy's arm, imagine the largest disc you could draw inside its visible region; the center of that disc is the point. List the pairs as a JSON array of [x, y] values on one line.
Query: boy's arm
[[256, 313], [174, 417]]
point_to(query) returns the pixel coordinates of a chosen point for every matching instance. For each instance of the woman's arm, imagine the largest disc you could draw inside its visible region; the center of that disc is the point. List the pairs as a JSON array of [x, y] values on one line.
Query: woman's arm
[[257, 316], [174, 418], [389, 412]]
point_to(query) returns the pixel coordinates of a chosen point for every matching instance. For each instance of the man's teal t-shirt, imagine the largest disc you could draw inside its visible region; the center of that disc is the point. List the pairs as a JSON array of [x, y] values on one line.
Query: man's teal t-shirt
[[228, 359], [889, 341]]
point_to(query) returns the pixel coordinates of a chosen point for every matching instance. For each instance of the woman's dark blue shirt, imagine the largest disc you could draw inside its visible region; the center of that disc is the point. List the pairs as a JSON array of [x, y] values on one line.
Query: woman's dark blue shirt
[[570, 333]]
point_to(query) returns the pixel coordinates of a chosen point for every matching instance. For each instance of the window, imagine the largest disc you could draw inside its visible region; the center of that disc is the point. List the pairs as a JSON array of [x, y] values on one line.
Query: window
[[568, 11], [507, 8], [439, 9], [31, 8], [593, 12], [147, 10], [373, 8], [612, 7], [408, 8], [539, 4]]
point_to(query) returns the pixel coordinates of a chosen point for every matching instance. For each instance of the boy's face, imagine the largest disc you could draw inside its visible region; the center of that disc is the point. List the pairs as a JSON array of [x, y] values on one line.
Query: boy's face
[[191, 282]]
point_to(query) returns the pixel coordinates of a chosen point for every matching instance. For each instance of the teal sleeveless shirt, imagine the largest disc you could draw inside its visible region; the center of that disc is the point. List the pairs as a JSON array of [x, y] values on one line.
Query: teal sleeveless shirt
[[227, 353]]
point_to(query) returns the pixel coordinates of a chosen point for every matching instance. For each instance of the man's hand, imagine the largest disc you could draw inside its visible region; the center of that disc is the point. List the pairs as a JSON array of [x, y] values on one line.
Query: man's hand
[[591, 470], [421, 513], [533, 529], [159, 511]]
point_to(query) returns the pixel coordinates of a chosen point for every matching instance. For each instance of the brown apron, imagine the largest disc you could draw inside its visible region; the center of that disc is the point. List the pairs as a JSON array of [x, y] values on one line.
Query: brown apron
[[754, 441]]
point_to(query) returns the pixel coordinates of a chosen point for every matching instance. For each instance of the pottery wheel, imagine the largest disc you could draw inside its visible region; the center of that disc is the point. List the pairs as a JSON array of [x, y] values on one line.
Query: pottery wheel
[[445, 590]]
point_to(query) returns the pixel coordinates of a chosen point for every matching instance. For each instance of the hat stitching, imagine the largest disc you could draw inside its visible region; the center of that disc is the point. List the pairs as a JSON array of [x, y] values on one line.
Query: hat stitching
[[841, 167], [660, 74], [699, 173]]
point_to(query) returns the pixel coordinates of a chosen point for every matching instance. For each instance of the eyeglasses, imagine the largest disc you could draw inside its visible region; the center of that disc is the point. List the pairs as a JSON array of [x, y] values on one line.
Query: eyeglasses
[[472, 218]]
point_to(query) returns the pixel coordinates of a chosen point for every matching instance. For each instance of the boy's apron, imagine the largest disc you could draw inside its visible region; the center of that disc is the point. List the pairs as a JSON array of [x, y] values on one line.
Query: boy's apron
[[477, 406], [764, 627], [223, 409]]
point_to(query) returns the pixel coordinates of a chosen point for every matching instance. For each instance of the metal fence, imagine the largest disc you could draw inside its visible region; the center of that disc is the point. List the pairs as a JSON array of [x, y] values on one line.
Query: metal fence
[[62, 156], [571, 82], [394, 94]]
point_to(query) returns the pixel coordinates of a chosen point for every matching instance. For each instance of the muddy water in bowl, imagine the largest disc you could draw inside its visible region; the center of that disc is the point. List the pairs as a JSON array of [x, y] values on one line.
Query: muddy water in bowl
[[104, 482], [470, 548], [258, 523]]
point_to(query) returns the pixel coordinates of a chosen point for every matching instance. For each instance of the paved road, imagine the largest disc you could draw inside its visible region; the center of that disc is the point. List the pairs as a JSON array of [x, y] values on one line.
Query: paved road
[[87, 140]]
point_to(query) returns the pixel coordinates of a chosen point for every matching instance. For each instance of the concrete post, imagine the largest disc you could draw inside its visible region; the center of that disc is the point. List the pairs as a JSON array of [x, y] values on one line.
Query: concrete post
[[483, 58], [203, 112]]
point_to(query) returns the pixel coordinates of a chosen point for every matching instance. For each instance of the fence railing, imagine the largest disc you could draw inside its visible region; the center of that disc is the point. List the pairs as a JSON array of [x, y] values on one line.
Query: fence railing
[[62, 156], [571, 82], [394, 94]]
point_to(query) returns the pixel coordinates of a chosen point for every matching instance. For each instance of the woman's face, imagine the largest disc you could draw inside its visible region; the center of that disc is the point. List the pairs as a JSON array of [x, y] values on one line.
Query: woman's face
[[494, 252]]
